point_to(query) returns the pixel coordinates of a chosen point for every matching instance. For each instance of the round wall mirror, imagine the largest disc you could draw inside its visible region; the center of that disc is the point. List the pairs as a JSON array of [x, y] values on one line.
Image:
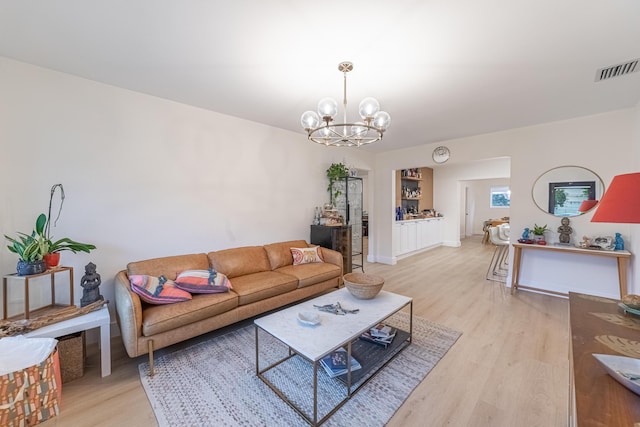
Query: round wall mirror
[[567, 191]]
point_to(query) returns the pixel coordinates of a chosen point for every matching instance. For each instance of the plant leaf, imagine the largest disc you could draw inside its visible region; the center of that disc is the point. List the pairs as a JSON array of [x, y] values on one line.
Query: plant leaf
[[40, 223]]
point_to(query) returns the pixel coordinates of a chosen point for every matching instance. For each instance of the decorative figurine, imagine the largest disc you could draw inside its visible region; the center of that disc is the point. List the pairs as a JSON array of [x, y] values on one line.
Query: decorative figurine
[[525, 234], [586, 242], [565, 231], [619, 242], [90, 283]]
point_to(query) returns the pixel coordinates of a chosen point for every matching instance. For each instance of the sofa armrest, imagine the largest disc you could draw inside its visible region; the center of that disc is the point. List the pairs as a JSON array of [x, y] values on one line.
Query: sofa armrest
[[129, 313], [333, 257]]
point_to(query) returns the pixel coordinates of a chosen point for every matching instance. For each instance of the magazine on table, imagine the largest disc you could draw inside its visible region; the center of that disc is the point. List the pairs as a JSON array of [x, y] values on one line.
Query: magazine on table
[[335, 363], [383, 341], [383, 331]]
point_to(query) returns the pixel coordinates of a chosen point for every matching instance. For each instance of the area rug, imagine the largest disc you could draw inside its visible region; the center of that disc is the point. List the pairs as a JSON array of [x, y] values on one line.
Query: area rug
[[214, 383]]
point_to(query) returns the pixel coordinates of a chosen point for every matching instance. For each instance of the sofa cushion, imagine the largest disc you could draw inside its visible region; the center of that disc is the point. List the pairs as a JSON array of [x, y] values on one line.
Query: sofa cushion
[[200, 282], [258, 286], [240, 261], [306, 255], [158, 319], [312, 273], [280, 253], [157, 290], [170, 266]]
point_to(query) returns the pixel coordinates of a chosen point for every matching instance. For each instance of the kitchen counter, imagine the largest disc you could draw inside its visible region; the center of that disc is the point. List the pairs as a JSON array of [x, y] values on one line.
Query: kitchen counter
[[419, 219]]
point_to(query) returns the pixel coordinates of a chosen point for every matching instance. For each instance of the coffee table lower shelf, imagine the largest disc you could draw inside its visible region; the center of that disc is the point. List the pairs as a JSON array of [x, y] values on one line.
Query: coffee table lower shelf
[[372, 357]]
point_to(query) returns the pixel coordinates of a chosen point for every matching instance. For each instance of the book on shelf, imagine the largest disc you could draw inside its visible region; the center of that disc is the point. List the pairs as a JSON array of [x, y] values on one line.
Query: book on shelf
[[383, 341], [383, 331], [335, 363]]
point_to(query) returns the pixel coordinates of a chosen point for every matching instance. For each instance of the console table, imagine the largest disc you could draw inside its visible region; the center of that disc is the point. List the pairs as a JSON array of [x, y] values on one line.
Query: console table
[[621, 257], [596, 399]]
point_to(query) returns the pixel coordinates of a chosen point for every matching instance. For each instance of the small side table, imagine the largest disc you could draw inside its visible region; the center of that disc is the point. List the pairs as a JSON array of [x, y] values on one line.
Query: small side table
[[52, 273], [94, 319]]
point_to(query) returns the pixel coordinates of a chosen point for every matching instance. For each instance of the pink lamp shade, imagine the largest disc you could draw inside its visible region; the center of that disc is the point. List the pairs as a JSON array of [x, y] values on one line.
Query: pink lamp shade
[[621, 201], [586, 205]]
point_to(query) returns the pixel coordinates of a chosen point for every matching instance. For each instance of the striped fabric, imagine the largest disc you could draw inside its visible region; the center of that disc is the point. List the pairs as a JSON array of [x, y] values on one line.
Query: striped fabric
[[30, 396], [157, 290], [203, 282]]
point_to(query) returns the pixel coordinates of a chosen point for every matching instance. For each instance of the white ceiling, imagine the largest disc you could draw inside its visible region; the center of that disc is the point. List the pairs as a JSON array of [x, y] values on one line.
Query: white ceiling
[[443, 69]]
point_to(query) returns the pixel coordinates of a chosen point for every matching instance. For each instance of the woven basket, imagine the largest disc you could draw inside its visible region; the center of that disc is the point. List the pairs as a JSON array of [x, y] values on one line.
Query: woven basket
[[363, 286]]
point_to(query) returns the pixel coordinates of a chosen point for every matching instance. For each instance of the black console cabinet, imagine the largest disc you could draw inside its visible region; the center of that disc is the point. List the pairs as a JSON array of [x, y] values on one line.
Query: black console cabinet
[[336, 237]]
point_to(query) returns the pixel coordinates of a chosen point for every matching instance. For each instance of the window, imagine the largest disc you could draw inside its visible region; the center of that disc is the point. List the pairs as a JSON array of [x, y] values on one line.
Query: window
[[500, 197]]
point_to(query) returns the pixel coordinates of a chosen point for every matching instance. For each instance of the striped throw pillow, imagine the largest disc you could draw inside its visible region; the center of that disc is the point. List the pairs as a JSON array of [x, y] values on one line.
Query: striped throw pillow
[[157, 290], [203, 282]]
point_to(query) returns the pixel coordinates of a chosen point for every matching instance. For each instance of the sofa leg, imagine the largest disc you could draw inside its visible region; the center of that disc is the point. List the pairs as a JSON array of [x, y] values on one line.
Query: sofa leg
[[151, 369]]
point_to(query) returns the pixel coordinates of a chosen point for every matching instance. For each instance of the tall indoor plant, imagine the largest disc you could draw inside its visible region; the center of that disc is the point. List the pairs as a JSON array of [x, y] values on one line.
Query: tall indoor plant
[[335, 172]]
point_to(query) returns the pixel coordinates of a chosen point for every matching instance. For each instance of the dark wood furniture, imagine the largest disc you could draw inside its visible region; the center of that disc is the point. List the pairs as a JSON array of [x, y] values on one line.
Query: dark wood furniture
[[596, 398], [336, 237]]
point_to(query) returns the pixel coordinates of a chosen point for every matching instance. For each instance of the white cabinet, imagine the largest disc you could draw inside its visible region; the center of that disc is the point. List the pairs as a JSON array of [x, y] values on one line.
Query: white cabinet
[[423, 234], [410, 236], [433, 236], [404, 238]]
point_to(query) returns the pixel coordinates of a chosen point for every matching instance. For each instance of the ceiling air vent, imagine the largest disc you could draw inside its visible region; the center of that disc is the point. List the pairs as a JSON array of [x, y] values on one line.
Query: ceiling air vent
[[617, 70]]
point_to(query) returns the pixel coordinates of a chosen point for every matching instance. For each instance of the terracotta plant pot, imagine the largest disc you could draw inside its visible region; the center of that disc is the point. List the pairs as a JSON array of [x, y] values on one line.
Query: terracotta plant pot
[[52, 260]]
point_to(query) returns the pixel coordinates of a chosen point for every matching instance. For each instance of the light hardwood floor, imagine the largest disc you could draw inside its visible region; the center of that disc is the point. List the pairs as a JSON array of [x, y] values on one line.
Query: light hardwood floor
[[509, 368]]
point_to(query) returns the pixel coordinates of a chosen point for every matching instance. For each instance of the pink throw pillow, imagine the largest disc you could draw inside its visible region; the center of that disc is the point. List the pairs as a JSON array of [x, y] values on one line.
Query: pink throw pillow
[[157, 290], [198, 282]]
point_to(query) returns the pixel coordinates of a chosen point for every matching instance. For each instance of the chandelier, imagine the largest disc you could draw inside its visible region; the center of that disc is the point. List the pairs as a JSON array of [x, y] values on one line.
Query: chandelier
[[321, 128]]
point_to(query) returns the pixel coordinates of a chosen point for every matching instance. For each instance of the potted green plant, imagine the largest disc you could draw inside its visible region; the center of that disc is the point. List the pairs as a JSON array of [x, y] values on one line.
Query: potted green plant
[[335, 172], [538, 233], [31, 249], [38, 248]]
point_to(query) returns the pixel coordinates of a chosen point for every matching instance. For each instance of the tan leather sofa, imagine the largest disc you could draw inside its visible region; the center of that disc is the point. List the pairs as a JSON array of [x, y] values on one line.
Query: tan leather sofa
[[263, 278]]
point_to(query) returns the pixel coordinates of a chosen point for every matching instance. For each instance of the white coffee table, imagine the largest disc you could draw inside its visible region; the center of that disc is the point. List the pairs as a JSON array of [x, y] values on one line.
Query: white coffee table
[[334, 331]]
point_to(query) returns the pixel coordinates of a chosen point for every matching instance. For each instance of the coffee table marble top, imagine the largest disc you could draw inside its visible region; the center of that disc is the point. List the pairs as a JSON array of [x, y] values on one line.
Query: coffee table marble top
[[314, 342]]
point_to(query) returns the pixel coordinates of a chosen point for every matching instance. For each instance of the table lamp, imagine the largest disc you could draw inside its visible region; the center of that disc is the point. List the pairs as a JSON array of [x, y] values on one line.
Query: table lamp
[[586, 205], [621, 201]]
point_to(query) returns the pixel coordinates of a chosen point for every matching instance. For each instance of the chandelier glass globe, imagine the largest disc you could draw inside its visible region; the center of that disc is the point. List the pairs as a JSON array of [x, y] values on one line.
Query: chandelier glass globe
[[322, 128]]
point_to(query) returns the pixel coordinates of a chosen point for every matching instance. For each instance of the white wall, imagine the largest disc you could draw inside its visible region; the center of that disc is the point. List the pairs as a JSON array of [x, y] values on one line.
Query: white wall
[[146, 177], [601, 143], [633, 244], [479, 203]]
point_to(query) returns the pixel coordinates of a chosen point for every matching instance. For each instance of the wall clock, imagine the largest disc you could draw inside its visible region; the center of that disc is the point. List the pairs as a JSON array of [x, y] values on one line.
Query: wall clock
[[440, 154]]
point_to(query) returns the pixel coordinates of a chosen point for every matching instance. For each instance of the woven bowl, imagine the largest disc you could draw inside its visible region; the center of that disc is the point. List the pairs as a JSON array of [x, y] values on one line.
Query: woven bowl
[[363, 286], [632, 301]]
